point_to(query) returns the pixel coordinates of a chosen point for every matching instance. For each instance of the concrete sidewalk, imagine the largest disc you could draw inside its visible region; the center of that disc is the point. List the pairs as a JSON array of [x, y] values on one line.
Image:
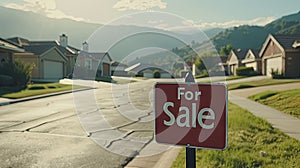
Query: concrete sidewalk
[[284, 122], [148, 159]]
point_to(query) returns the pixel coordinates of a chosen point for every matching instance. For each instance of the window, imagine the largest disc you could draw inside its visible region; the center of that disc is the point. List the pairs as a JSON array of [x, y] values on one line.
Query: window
[[88, 64]]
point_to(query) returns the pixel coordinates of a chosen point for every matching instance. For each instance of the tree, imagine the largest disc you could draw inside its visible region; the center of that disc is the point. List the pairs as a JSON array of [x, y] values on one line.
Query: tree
[[225, 50], [199, 64]]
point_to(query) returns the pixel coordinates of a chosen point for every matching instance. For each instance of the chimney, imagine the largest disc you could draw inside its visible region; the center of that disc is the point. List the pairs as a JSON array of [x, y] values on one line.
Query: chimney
[[63, 39], [85, 46]]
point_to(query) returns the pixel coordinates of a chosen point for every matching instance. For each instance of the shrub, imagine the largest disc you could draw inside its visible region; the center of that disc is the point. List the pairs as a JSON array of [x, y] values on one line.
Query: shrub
[[22, 72], [245, 71], [19, 71], [156, 74], [275, 74], [6, 80]]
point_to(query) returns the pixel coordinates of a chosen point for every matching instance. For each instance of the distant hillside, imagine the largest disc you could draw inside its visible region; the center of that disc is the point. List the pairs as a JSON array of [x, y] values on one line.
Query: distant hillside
[[253, 36], [37, 27]]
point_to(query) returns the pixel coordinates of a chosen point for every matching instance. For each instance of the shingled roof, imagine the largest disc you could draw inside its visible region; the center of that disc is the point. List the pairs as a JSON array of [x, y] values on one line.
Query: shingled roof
[[255, 52], [39, 47], [96, 56], [287, 41], [9, 46], [240, 53]]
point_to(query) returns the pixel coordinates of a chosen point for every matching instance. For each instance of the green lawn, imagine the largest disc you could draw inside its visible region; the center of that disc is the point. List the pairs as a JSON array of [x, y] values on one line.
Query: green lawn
[[252, 142], [263, 82], [235, 77], [33, 90], [286, 101]]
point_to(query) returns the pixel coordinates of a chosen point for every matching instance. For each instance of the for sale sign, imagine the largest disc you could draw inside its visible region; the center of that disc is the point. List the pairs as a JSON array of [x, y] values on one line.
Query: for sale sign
[[191, 114]]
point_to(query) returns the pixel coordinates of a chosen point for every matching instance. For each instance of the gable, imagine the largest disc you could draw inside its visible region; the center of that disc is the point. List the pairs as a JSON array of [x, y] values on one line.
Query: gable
[[272, 48], [250, 56], [106, 59], [54, 55], [232, 58]]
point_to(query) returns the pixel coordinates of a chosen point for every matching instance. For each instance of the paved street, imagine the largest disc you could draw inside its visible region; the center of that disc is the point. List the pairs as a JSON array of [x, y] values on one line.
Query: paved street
[[116, 123]]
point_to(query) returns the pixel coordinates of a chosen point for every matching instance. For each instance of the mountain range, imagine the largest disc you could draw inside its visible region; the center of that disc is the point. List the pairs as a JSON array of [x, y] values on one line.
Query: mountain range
[[253, 36], [16, 23], [32, 26]]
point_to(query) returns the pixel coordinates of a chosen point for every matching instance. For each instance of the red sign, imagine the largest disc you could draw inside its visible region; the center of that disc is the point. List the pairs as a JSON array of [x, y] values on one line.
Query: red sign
[[191, 114]]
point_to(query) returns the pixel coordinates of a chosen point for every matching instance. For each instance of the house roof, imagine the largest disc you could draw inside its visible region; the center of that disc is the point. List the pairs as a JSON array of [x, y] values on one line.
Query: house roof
[[287, 41], [115, 63], [9, 46], [240, 53], [255, 52], [19, 41], [284, 42], [254, 56], [136, 68], [39, 47], [97, 56]]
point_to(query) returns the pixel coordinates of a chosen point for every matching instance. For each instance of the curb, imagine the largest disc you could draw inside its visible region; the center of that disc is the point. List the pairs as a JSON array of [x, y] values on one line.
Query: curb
[[161, 160], [13, 101]]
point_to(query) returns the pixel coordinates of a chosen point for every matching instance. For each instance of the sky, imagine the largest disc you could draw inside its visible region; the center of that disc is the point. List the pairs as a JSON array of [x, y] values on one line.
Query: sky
[[201, 13]]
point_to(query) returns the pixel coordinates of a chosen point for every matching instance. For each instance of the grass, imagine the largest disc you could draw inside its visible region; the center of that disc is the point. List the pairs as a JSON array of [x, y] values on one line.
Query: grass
[[264, 82], [285, 101], [33, 90], [252, 142], [235, 77]]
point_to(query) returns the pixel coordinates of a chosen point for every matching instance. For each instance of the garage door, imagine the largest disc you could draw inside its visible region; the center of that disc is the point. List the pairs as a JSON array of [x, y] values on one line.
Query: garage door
[[273, 63], [53, 70]]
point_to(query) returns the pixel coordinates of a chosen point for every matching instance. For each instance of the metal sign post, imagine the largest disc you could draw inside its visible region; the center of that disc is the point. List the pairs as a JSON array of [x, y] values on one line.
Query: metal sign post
[[190, 153]]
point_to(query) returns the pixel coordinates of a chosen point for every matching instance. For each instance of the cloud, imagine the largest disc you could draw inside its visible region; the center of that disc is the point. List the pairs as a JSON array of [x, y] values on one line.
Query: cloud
[[124, 5], [44, 7], [261, 21], [190, 25]]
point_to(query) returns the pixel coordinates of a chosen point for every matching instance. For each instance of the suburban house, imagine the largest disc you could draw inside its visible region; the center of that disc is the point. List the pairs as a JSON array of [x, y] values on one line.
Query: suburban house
[[281, 53], [148, 71], [53, 60], [118, 69], [92, 64], [234, 60], [215, 65], [252, 59]]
